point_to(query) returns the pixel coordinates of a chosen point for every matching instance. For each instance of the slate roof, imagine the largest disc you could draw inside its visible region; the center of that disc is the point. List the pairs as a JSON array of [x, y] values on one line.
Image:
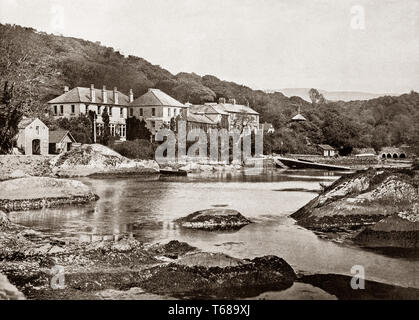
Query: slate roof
[[56, 136], [325, 147], [82, 95], [226, 108], [156, 97], [199, 118]]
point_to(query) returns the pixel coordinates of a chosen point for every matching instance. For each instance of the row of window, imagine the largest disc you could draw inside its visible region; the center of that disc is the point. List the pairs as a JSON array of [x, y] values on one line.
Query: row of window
[[170, 112], [131, 112], [99, 110], [114, 129], [73, 109]]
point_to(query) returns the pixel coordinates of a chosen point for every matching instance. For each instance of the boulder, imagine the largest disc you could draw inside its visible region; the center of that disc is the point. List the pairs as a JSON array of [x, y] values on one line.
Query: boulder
[[90, 159], [214, 219], [8, 291], [208, 275], [40, 192], [172, 249], [361, 199]]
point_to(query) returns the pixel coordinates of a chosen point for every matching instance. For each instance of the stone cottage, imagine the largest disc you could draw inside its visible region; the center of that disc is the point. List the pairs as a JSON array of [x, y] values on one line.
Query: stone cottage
[[60, 141], [33, 137]]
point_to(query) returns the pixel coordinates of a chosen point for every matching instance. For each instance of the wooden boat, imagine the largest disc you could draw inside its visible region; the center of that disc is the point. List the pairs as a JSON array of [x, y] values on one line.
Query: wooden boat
[[281, 162], [173, 172]]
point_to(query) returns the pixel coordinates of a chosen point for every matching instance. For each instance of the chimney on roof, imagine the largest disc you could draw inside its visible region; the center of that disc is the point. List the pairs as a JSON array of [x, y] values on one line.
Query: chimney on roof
[[115, 95], [104, 95], [131, 95], [66, 89], [222, 100], [92, 93], [232, 101]]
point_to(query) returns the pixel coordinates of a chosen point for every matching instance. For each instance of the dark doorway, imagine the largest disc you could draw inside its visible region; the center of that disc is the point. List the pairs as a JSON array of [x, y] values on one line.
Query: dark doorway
[[36, 147]]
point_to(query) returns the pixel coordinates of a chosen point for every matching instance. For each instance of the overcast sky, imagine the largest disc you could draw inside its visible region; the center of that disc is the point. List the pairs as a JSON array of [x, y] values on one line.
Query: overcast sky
[[345, 45]]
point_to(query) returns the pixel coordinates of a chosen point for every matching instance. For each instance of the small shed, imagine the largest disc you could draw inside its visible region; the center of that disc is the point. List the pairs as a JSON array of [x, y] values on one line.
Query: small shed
[[33, 137], [60, 141], [327, 151]]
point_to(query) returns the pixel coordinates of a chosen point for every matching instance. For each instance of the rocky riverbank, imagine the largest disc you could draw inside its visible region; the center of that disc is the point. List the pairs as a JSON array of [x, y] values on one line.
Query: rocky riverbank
[[86, 160], [32, 262], [372, 207], [96, 159], [42, 192]]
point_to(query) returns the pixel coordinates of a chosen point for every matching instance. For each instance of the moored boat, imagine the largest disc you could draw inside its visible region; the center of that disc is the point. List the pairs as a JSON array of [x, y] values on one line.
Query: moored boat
[[282, 162], [173, 172]]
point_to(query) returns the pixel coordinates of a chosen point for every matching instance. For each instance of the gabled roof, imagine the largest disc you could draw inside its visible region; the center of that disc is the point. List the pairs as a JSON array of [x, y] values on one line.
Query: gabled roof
[[199, 118], [56, 136], [325, 147], [156, 97], [299, 117], [226, 108], [25, 122], [82, 95]]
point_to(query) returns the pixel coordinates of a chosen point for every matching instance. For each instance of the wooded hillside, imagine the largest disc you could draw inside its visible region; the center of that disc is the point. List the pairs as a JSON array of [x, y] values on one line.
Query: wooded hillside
[[41, 65]]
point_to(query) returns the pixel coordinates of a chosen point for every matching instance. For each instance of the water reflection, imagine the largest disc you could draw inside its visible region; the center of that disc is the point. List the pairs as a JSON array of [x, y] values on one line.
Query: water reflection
[[145, 208]]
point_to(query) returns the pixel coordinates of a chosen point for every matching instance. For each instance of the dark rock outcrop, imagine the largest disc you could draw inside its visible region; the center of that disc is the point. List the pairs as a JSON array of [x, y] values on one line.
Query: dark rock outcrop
[[387, 200], [214, 219], [207, 275]]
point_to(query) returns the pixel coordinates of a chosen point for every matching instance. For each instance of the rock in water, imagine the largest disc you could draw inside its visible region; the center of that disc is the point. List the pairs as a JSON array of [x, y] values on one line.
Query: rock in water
[[41, 192], [384, 199], [90, 159], [215, 275], [214, 219], [9, 291]]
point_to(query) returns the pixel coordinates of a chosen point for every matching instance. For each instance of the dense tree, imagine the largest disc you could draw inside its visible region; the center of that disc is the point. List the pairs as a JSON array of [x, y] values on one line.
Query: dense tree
[[10, 116], [41, 64], [106, 133], [316, 97], [137, 129]]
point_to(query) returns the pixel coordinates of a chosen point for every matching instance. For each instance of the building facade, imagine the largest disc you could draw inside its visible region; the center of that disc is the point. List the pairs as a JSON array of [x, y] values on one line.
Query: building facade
[[60, 141], [33, 137], [156, 108], [77, 101], [229, 114]]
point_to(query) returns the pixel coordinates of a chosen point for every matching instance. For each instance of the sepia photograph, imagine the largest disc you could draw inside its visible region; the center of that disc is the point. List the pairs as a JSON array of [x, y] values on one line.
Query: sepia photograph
[[209, 154]]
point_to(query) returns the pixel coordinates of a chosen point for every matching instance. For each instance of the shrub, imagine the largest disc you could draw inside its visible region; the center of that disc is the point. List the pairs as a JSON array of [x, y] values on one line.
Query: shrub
[[137, 149]]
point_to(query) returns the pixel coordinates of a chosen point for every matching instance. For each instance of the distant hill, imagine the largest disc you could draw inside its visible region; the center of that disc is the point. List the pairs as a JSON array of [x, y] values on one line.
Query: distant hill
[[329, 95], [42, 64]]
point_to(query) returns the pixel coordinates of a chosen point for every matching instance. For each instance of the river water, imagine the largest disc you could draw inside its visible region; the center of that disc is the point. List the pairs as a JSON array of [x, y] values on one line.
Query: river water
[[145, 207]]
